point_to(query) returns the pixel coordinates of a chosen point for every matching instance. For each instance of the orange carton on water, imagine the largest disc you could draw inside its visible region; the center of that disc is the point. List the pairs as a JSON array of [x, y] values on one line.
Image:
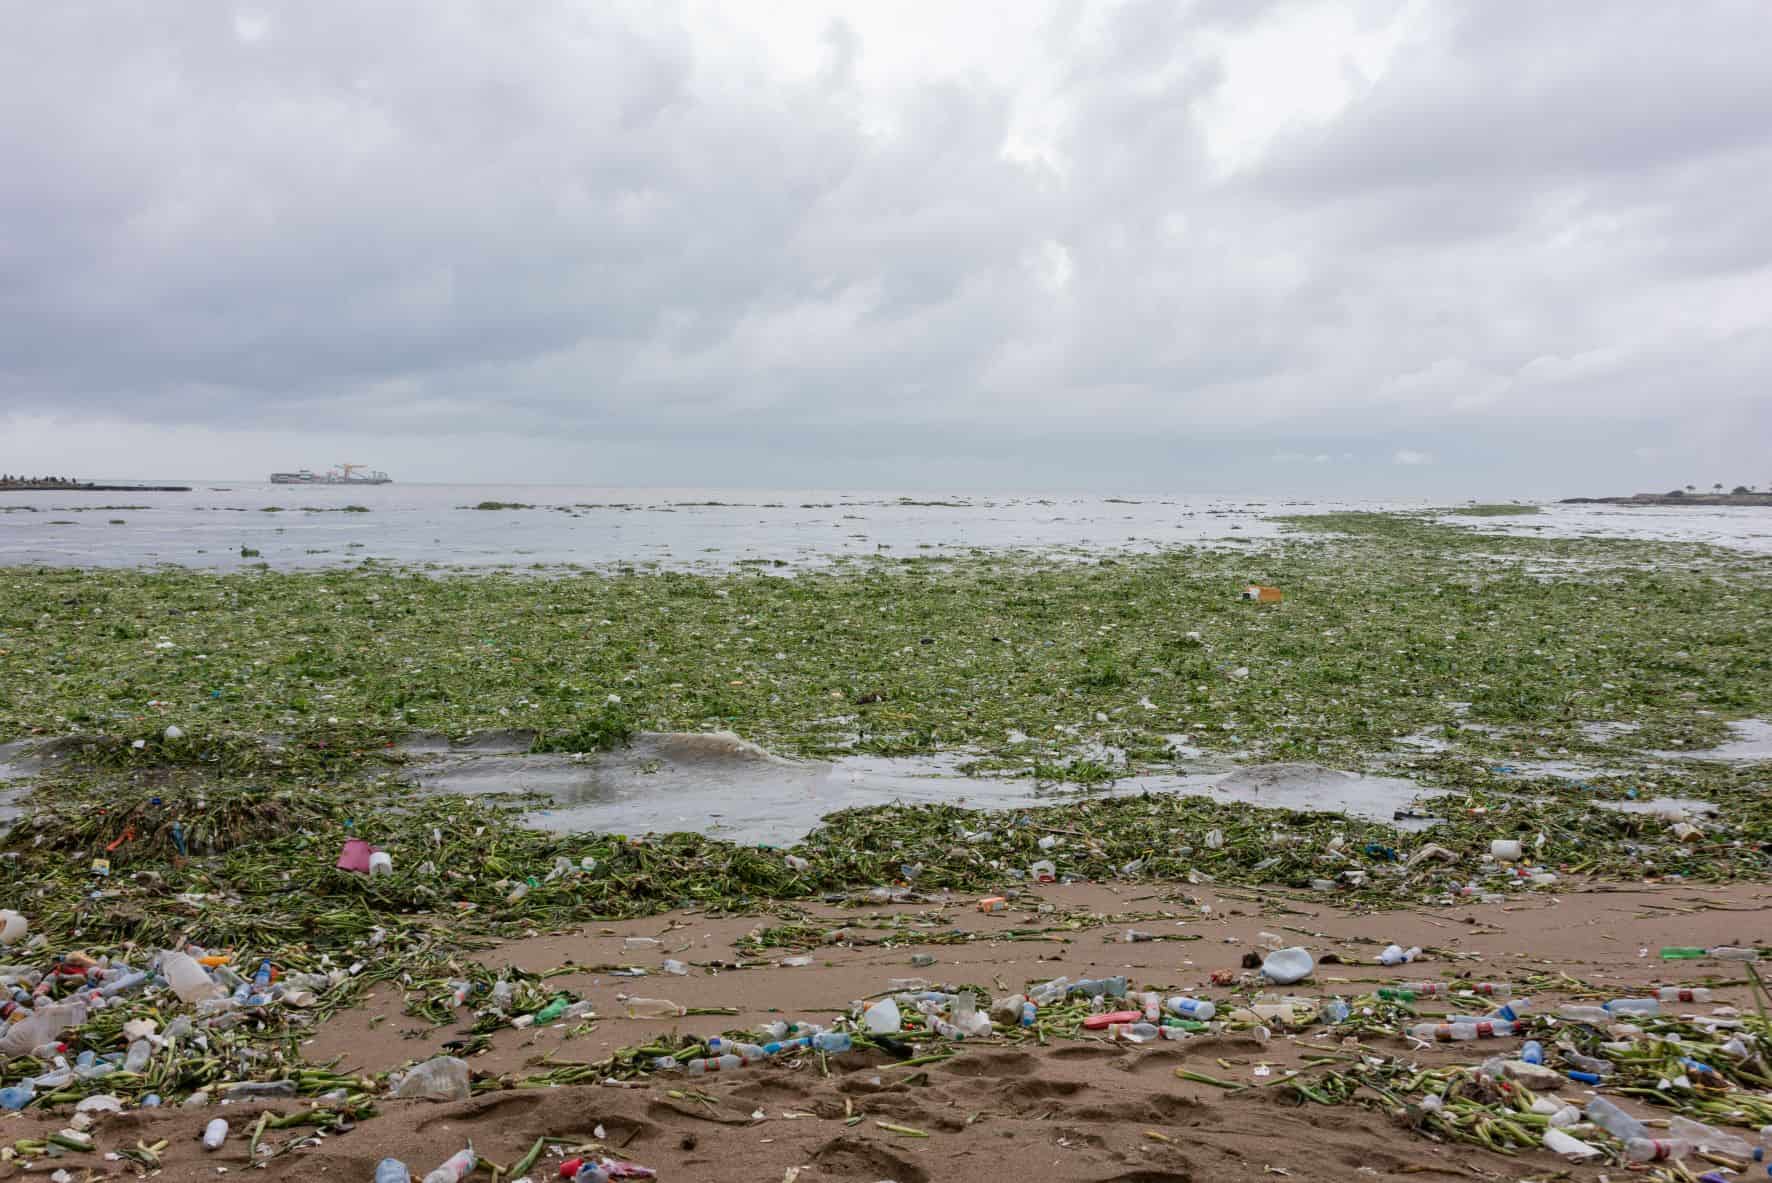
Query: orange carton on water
[[1261, 594], [993, 905]]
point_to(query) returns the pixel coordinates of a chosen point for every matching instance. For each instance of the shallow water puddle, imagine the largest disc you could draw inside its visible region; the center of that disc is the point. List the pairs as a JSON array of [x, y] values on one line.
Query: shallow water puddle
[[19, 762], [720, 785], [1753, 741]]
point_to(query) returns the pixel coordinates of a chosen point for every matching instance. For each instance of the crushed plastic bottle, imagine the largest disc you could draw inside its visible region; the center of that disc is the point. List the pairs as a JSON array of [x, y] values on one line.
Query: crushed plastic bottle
[[392, 1170], [1114, 987], [215, 1133], [652, 1008], [42, 1026], [17, 1096], [1710, 1138], [883, 1018], [139, 1053], [673, 966], [1336, 1010], [1285, 966], [1532, 1052], [834, 1042], [444, 1078], [189, 980], [1558, 1142], [460, 1165], [1586, 1063], [1397, 955], [1614, 1120]]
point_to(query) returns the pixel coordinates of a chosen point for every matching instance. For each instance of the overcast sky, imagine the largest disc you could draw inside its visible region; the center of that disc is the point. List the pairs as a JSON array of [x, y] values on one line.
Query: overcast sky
[[1391, 248]]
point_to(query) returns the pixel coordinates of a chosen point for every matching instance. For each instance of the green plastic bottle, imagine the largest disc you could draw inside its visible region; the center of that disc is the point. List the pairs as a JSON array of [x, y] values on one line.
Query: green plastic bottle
[[1680, 953], [552, 1010]]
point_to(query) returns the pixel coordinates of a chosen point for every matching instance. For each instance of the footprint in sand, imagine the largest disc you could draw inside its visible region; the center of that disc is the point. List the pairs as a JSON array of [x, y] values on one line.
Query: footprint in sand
[[856, 1158]]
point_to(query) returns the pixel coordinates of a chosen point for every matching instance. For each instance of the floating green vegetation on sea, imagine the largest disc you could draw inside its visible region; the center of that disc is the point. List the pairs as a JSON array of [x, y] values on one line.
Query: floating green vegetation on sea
[[1498, 646]]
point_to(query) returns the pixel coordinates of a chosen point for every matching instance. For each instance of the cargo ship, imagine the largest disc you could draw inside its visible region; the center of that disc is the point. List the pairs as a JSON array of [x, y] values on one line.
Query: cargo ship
[[344, 474]]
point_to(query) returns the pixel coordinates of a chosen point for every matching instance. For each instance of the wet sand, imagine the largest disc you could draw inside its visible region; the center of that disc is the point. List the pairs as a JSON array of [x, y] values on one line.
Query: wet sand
[[1083, 1109]]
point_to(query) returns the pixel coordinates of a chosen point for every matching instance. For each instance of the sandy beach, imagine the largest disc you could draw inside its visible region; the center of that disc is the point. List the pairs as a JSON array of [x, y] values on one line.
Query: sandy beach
[[997, 1109]]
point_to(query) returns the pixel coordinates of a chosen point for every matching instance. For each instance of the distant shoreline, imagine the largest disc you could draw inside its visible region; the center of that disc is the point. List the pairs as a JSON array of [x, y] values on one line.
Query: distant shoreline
[[1674, 499], [82, 487]]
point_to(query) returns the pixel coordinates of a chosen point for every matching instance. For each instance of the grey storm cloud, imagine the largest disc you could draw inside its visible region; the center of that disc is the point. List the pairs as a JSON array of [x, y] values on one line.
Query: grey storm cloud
[[1485, 231]]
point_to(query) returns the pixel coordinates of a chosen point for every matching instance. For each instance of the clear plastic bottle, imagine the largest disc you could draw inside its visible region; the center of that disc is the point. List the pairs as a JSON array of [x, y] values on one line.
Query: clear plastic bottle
[[1135, 1032], [215, 1133], [1614, 1120], [1532, 1052], [1458, 1032], [832, 1041], [18, 1096], [1114, 987], [1577, 1013], [461, 1164], [189, 980], [883, 1018], [706, 1064], [1683, 994], [1634, 1006], [123, 983], [744, 1051], [1047, 993], [441, 1078], [1706, 1137], [1732, 953], [1655, 1149], [652, 1008], [139, 1054], [392, 1170], [1592, 1064]]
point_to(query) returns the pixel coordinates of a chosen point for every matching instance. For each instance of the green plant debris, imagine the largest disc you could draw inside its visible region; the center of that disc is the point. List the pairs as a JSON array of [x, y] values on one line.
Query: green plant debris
[[1031, 665], [1497, 511]]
